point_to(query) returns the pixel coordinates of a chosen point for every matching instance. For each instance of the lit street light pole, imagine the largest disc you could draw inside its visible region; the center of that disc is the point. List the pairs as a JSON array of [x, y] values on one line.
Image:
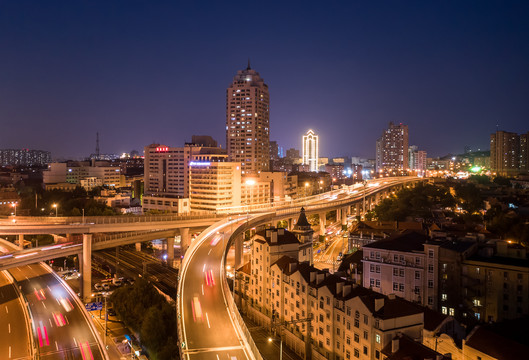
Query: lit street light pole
[[56, 209], [15, 206], [280, 346]]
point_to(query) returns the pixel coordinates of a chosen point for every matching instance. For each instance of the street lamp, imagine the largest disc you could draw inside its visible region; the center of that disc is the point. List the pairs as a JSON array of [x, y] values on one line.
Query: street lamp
[[280, 346], [56, 209], [15, 206]]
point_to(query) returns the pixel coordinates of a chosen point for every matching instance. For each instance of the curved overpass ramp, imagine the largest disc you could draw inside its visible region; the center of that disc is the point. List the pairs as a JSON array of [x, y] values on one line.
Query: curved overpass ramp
[[209, 324]]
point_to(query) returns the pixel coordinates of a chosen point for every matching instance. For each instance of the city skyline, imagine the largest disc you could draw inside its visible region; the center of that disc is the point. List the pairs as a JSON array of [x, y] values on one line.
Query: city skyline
[[453, 70]]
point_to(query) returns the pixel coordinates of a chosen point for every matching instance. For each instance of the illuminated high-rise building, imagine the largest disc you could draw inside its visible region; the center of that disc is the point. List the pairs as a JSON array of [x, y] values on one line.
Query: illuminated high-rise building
[[392, 148], [310, 150], [505, 153], [248, 122]]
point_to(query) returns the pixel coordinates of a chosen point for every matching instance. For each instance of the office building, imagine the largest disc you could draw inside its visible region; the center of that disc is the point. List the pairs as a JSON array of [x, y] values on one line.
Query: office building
[[392, 148], [416, 159], [310, 150], [214, 184], [24, 157], [83, 173], [248, 122]]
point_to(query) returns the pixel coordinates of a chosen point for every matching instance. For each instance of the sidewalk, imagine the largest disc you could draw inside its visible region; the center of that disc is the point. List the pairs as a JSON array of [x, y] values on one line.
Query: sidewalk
[[269, 350], [115, 335]]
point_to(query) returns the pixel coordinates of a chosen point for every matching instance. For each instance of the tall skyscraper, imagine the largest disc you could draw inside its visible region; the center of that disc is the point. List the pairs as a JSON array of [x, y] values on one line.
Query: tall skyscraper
[[392, 148], [505, 153], [310, 150], [248, 121]]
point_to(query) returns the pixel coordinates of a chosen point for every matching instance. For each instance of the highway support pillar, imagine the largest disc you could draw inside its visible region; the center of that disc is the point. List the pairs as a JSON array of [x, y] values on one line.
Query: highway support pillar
[[87, 267], [184, 239], [323, 226], [238, 252], [338, 215], [20, 240], [344, 217], [170, 250], [138, 246]]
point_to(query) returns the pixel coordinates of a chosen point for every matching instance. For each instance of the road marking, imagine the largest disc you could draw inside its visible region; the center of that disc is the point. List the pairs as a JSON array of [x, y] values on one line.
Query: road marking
[[204, 268], [10, 352], [7, 310], [203, 350], [9, 327], [56, 346], [209, 252], [218, 357], [75, 341], [51, 325], [44, 306], [207, 319], [202, 289]]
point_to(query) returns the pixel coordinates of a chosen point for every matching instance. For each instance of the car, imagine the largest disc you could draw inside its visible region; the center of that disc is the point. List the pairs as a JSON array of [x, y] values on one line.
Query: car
[[106, 286], [117, 282], [98, 287]]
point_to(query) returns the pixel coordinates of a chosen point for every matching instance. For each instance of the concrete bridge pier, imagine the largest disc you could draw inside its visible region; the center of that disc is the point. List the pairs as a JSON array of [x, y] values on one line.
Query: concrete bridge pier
[[338, 215], [170, 250], [138, 246], [185, 240], [343, 211], [323, 226], [238, 251], [20, 240], [86, 268]]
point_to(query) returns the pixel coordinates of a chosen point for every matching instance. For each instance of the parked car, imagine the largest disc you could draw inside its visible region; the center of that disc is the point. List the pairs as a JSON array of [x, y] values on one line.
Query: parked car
[[106, 286], [98, 287]]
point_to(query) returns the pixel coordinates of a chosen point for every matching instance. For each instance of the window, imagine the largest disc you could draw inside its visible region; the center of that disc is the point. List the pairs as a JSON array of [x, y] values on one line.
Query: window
[[401, 287], [377, 338], [372, 267], [430, 268], [395, 272], [366, 335], [377, 269], [430, 284], [348, 340], [430, 300], [451, 311], [417, 261], [372, 282], [443, 297], [444, 310], [401, 272], [477, 316], [430, 254], [357, 323], [366, 319], [395, 286], [357, 353], [365, 350], [357, 337], [395, 258], [377, 283]]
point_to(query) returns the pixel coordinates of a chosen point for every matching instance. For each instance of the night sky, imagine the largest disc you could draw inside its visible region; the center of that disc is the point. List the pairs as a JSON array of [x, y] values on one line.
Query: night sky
[[155, 71]]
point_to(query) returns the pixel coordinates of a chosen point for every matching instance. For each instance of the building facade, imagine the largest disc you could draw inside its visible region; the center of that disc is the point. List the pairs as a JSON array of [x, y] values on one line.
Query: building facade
[[505, 153], [311, 150], [405, 265], [24, 157], [248, 122], [392, 148]]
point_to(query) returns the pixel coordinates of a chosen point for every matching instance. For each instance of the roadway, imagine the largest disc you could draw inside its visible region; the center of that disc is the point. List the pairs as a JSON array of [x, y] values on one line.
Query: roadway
[[14, 339], [208, 331], [60, 324]]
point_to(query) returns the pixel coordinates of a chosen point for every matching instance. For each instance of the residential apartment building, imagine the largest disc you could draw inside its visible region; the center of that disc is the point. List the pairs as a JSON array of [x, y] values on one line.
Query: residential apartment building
[[406, 265], [24, 157], [509, 153], [248, 122], [392, 148], [74, 172], [283, 186], [417, 159], [496, 282], [326, 316]]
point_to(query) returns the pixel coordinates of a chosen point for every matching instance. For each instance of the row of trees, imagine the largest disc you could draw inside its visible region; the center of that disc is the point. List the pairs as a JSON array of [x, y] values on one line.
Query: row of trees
[[146, 312], [39, 202]]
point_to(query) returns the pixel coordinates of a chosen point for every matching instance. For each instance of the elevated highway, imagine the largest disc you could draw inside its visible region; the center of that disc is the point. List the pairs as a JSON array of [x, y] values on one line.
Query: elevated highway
[[209, 324], [154, 227]]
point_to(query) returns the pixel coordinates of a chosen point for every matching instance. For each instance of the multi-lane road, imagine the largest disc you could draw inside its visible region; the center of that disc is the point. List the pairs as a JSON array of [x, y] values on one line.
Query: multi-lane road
[[60, 326], [14, 339], [208, 331]]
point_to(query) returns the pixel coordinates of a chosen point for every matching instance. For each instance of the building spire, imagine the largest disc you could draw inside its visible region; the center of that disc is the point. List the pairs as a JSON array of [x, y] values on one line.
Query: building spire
[[248, 68]]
